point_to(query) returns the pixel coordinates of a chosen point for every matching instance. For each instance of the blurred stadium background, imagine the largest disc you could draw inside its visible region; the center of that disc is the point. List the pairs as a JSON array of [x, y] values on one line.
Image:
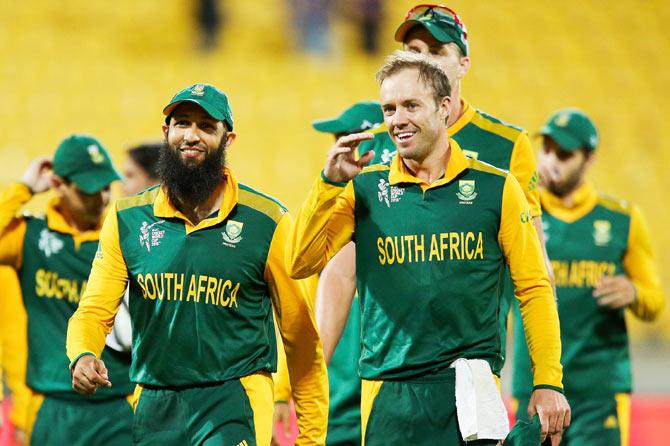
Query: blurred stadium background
[[108, 68]]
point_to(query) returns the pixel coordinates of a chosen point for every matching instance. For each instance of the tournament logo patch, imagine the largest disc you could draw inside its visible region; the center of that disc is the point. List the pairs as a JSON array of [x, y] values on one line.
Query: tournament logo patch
[[150, 236], [602, 232], [389, 194], [466, 191], [96, 156], [233, 233], [198, 90], [49, 244]]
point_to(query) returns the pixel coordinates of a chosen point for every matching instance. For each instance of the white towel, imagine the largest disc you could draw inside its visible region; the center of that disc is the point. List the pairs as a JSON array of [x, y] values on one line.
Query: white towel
[[479, 406]]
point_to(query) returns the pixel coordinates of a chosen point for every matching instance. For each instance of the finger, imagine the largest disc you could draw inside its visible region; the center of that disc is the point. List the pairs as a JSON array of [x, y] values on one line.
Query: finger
[[556, 439], [287, 425], [366, 158], [544, 425], [531, 408], [102, 370], [339, 150], [605, 287], [98, 379], [355, 138], [614, 300], [568, 418], [553, 424]]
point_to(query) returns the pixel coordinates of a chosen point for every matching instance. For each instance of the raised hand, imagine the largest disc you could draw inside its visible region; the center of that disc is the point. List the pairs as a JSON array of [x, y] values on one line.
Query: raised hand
[[341, 164], [38, 174]]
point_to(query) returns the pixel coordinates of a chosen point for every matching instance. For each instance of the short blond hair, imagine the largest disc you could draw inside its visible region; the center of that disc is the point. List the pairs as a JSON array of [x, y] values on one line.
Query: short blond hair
[[430, 72]]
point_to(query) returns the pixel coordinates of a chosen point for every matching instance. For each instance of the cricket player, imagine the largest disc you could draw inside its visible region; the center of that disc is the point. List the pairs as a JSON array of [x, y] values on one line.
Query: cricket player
[[204, 257], [433, 230], [601, 253], [52, 256]]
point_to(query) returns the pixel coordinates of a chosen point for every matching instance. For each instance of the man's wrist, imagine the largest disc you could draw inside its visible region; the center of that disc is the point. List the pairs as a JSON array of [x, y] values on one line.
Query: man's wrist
[[547, 386], [327, 180], [74, 361]]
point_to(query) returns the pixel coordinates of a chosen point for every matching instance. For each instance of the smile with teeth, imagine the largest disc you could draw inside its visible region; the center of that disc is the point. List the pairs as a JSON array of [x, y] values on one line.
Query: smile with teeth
[[191, 151], [404, 136]]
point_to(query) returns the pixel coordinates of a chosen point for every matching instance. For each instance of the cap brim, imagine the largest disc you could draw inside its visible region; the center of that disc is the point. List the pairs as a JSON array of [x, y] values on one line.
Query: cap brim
[[93, 181], [435, 31], [209, 108], [564, 140], [330, 126]]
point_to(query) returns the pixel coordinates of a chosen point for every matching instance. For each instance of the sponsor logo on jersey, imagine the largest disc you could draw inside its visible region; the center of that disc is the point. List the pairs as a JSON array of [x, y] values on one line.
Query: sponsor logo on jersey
[[151, 236], [233, 233], [48, 243]]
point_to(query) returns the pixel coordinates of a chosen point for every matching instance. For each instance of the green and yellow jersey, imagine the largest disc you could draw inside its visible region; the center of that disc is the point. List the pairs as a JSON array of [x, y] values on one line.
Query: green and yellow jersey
[[202, 297], [598, 236], [430, 259], [52, 260]]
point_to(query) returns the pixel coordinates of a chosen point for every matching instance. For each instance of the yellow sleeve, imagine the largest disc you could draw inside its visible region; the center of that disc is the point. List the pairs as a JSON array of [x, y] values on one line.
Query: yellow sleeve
[[281, 380], [324, 224], [12, 228], [522, 166], [638, 262], [14, 325], [532, 288], [94, 318], [304, 354]]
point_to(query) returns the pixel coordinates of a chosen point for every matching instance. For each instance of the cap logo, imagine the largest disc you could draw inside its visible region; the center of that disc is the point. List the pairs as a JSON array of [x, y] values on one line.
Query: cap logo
[[198, 90], [365, 125], [426, 17], [94, 153], [593, 140], [562, 120]]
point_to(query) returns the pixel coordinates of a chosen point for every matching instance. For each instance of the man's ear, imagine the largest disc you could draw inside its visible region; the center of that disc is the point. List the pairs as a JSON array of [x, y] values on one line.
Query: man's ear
[[230, 137], [463, 66], [444, 107], [55, 181], [166, 129]]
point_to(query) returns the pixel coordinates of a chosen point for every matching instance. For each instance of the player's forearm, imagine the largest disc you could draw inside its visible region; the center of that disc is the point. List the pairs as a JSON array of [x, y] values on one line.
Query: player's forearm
[[649, 301], [312, 243], [337, 286], [11, 200]]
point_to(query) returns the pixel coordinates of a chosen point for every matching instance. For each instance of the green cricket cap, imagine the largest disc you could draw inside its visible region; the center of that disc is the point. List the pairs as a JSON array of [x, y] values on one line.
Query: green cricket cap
[[210, 98], [525, 433], [441, 22], [83, 160], [359, 117], [572, 130]]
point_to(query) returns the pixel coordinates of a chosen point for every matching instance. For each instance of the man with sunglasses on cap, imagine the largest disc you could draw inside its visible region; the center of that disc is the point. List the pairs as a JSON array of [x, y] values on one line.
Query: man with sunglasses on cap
[[601, 253], [434, 230], [52, 256], [203, 256]]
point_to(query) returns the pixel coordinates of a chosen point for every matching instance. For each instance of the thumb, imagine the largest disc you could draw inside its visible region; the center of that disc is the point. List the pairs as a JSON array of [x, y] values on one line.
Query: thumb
[[366, 158]]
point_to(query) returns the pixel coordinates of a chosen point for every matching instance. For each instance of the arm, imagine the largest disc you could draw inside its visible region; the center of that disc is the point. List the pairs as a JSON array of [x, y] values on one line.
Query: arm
[[15, 346], [521, 248], [640, 288], [304, 355], [539, 229], [337, 286], [524, 168], [325, 221], [12, 228], [94, 318]]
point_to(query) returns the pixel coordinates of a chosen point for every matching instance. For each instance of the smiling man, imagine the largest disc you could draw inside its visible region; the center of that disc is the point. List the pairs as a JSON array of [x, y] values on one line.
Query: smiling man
[[204, 259], [434, 230], [52, 256]]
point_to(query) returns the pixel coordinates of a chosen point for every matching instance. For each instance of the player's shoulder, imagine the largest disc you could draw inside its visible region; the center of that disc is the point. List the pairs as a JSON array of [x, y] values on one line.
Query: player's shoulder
[[380, 167], [614, 204], [260, 202], [144, 198], [486, 168], [496, 126]]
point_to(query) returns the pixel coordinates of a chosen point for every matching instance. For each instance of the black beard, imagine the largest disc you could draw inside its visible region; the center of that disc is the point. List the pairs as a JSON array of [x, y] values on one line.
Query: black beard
[[190, 184], [567, 186]]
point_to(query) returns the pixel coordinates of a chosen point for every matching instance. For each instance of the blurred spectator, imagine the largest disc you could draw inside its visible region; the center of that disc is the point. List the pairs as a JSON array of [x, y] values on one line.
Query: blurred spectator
[[311, 19], [209, 17]]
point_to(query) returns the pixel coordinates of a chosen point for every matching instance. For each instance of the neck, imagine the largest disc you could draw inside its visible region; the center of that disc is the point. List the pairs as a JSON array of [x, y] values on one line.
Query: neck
[[456, 107], [433, 167], [197, 212], [569, 200], [75, 221]]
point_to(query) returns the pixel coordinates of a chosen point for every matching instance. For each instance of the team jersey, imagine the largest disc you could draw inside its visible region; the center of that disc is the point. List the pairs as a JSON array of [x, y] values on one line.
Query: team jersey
[[202, 297], [429, 262], [52, 261], [599, 236]]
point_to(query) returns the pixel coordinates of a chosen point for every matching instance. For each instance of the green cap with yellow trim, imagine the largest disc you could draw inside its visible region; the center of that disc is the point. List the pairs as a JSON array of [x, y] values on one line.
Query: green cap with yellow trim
[[572, 130], [441, 22], [84, 161], [361, 116], [210, 98]]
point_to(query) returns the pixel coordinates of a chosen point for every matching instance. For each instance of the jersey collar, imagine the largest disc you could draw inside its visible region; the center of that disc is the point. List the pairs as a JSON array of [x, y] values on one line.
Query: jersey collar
[[585, 199], [56, 222], [467, 113], [164, 209], [456, 164]]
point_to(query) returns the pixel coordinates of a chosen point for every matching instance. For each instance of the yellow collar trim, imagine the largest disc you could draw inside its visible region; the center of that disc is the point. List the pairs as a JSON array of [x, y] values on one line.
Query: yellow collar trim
[[164, 209], [466, 116], [57, 222], [456, 164], [584, 198]]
